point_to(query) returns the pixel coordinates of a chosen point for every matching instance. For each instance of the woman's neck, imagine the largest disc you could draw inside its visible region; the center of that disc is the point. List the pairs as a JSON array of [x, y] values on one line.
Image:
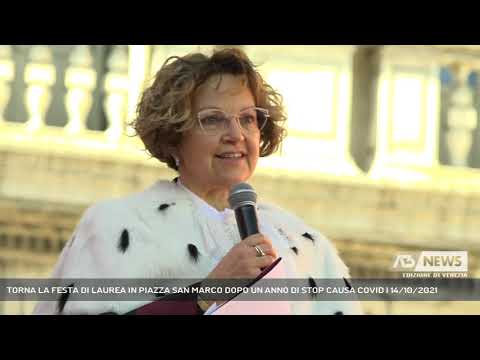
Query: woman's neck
[[215, 197]]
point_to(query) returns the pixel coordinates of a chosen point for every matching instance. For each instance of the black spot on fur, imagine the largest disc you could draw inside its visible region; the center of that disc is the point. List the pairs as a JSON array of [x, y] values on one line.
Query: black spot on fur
[[338, 313], [164, 206], [308, 236], [282, 233], [294, 249], [349, 286], [175, 180], [193, 251], [62, 301], [124, 241], [312, 284]]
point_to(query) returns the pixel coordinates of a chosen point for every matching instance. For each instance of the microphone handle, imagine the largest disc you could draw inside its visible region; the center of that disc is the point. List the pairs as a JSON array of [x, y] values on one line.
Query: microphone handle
[[247, 222]]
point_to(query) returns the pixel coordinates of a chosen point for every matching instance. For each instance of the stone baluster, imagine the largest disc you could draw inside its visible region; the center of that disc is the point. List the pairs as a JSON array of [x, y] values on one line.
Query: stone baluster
[[80, 81], [462, 117], [40, 75], [7, 74], [116, 89]]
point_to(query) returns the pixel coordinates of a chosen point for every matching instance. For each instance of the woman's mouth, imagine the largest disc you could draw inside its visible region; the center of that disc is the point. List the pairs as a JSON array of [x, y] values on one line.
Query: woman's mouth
[[232, 156]]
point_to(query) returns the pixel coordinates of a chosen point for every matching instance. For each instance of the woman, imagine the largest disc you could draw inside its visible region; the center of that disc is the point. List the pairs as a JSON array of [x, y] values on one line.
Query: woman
[[209, 118]]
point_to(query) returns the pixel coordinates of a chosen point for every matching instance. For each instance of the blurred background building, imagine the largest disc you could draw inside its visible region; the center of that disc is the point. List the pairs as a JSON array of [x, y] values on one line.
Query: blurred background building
[[383, 151]]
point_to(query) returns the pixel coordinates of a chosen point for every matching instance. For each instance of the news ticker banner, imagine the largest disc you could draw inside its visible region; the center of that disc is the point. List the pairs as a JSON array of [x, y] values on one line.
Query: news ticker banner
[[461, 289]]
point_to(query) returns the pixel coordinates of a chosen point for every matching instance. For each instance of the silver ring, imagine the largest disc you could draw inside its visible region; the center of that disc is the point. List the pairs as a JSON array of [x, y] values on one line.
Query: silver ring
[[260, 252]]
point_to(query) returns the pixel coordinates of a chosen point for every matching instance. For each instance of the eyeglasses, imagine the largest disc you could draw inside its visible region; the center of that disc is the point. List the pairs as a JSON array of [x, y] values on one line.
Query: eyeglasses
[[216, 121]]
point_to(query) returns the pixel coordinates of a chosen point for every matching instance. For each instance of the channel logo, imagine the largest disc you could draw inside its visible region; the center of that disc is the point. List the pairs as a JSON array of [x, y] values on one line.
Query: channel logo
[[432, 261]]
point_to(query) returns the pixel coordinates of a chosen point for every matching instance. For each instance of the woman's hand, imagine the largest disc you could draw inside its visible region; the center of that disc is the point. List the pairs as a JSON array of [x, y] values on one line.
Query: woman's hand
[[243, 262]]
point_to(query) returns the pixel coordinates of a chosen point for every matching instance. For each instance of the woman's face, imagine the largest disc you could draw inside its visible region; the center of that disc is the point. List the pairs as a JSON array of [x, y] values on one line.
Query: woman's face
[[221, 160]]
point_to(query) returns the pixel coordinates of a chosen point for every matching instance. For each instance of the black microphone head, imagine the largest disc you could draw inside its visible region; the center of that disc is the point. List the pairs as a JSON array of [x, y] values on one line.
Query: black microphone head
[[242, 194]]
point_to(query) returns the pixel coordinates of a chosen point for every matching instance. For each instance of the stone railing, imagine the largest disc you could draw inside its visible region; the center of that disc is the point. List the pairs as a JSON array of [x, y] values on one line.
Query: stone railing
[[120, 85]]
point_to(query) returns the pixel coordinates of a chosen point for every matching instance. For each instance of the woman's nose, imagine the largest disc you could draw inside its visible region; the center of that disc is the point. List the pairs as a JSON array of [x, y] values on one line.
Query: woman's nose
[[234, 130]]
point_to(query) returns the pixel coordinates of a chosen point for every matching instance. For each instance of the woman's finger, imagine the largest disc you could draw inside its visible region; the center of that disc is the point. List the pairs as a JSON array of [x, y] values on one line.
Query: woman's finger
[[256, 239], [266, 249]]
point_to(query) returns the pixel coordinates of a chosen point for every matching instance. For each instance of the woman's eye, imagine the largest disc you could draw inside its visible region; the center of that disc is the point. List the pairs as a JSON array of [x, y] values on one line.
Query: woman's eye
[[212, 120], [247, 119]]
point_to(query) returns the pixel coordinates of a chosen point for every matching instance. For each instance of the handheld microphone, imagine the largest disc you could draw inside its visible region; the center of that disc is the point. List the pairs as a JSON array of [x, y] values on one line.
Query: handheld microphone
[[242, 200]]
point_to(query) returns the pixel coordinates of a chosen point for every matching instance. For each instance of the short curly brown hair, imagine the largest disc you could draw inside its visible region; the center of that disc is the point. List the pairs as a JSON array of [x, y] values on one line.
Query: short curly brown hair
[[165, 108]]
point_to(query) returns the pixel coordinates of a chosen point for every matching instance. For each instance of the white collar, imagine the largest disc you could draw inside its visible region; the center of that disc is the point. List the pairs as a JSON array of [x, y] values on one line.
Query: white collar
[[206, 208]]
